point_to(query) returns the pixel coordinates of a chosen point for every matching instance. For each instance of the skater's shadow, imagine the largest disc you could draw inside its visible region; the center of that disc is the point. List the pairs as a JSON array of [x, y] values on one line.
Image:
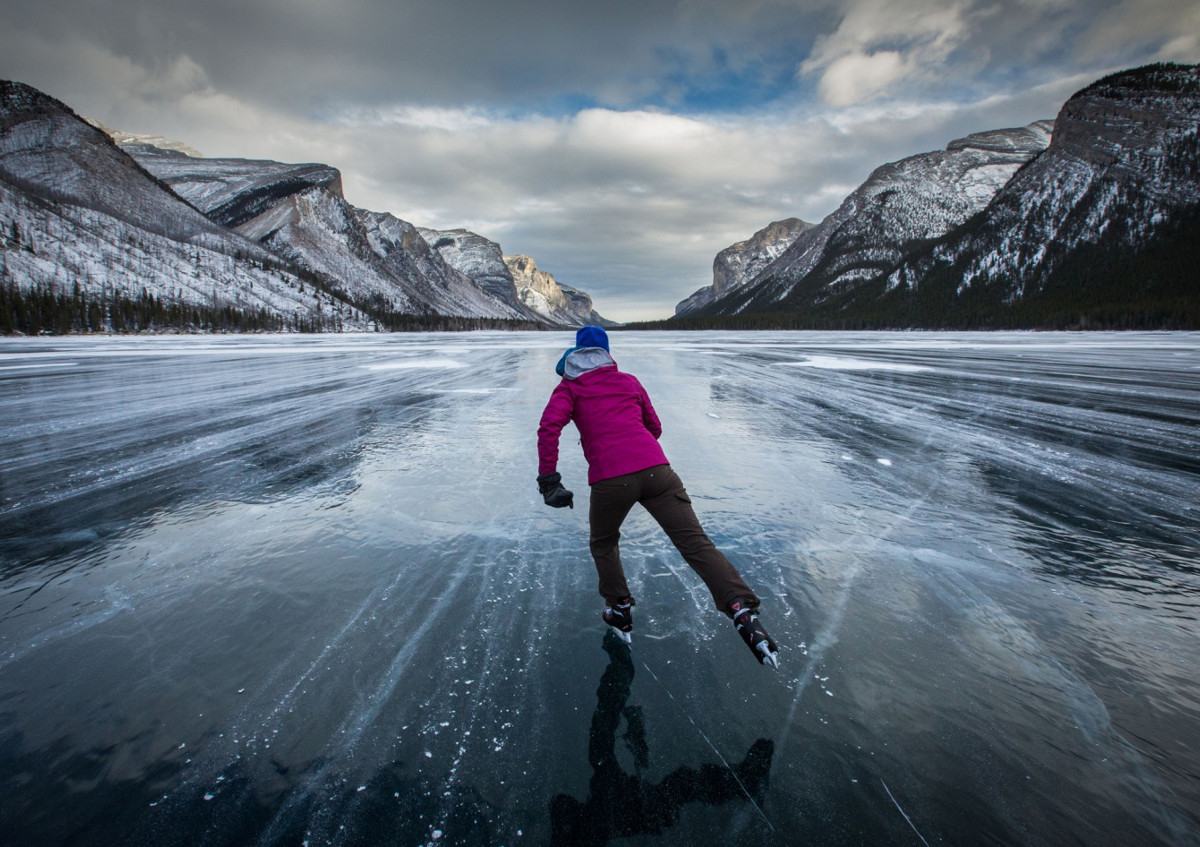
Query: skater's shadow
[[621, 804]]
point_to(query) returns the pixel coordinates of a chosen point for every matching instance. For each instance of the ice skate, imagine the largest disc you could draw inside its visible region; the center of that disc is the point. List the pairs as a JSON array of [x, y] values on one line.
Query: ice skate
[[745, 619], [620, 618]]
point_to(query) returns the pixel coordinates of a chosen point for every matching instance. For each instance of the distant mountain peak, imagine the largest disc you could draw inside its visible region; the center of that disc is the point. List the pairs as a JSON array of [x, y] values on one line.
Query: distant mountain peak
[[559, 303], [738, 264], [129, 139]]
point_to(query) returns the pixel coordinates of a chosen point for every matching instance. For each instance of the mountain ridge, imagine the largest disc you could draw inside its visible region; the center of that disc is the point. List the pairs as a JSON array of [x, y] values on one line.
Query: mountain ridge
[[98, 221], [1101, 229]]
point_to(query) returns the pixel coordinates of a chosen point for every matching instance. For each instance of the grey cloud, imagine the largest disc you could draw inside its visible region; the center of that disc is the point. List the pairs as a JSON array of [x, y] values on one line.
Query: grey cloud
[[312, 54]]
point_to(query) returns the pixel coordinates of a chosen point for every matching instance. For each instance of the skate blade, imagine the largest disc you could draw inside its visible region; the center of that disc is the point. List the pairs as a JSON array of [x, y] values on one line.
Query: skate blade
[[769, 658]]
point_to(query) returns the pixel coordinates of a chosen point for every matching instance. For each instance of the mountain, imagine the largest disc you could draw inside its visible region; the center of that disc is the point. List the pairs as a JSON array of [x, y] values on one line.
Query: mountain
[[1103, 229], [228, 191], [478, 258], [1100, 229], [87, 229], [545, 295], [900, 204], [108, 230], [742, 262], [299, 213], [515, 280]]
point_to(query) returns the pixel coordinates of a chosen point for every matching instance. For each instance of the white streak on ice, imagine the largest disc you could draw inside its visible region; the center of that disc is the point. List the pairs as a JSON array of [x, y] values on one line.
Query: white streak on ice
[[408, 364], [838, 363], [32, 366]]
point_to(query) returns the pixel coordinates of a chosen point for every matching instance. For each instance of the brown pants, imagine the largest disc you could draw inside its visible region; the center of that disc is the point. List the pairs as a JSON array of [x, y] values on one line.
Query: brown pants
[[661, 493]]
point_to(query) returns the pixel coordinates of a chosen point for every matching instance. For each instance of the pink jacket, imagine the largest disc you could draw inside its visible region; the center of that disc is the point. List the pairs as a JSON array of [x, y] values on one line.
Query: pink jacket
[[616, 421]]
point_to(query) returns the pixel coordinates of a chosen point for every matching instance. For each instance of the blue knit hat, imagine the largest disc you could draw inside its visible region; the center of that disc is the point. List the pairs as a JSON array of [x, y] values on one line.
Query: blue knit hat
[[591, 336]]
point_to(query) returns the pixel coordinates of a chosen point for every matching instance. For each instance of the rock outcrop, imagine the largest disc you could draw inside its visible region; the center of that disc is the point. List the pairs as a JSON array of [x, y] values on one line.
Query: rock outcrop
[[737, 265], [542, 293]]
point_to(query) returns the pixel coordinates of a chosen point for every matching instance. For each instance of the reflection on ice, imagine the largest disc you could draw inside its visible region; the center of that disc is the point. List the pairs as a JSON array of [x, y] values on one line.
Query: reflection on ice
[[622, 804]]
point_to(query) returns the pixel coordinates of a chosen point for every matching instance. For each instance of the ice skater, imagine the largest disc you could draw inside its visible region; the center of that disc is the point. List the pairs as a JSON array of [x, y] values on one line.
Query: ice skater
[[619, 431]]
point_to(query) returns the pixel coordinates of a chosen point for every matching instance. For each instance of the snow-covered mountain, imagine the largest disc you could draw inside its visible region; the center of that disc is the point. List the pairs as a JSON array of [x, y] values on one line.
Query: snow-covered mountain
[[547, 296], [1105, 222], [1093, 220], [299, 213], [101, 215], [900, 204], [79, 215], [740, 263]]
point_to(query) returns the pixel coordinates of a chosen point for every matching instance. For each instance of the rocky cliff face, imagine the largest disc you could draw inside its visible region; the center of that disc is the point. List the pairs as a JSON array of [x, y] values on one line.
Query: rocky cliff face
[[229, 191], [738, 264], [477, 257], [901, 204], [542, 293]]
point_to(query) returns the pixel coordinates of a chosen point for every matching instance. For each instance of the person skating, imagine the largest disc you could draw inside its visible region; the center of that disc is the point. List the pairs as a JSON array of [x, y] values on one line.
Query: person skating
[[619, 432]]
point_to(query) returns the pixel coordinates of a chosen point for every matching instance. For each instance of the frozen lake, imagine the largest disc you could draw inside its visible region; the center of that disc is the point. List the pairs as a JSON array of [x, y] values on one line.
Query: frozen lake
[[302, 590]]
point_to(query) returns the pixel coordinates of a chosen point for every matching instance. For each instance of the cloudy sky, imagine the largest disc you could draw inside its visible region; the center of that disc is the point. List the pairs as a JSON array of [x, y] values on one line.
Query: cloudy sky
[[621, 143]]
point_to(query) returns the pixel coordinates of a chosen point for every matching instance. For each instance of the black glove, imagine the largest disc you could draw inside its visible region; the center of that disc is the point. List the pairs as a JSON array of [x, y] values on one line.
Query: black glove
[[552, 491]]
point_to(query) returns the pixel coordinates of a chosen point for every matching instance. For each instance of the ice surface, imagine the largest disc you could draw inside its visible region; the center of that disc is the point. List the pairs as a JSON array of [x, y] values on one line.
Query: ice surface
[[283, 589]]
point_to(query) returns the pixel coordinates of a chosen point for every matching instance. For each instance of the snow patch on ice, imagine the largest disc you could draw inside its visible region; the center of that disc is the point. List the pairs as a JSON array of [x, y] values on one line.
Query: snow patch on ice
[[842, 364]]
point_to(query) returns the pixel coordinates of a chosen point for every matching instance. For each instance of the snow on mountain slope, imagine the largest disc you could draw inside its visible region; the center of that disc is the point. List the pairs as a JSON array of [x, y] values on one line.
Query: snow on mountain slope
[[900, 204], [58, 247], [48, 150], [1123, 168], [81, 214]]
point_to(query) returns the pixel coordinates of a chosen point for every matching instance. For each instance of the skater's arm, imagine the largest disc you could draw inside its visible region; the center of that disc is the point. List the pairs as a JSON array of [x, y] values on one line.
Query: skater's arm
[[557, 414]]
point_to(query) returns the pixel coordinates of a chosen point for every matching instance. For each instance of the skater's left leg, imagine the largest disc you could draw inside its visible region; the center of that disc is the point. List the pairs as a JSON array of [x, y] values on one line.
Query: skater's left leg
[[665, 498]]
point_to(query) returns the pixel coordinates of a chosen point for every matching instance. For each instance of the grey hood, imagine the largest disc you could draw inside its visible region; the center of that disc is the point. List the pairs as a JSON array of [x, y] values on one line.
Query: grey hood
[[585, 360]]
